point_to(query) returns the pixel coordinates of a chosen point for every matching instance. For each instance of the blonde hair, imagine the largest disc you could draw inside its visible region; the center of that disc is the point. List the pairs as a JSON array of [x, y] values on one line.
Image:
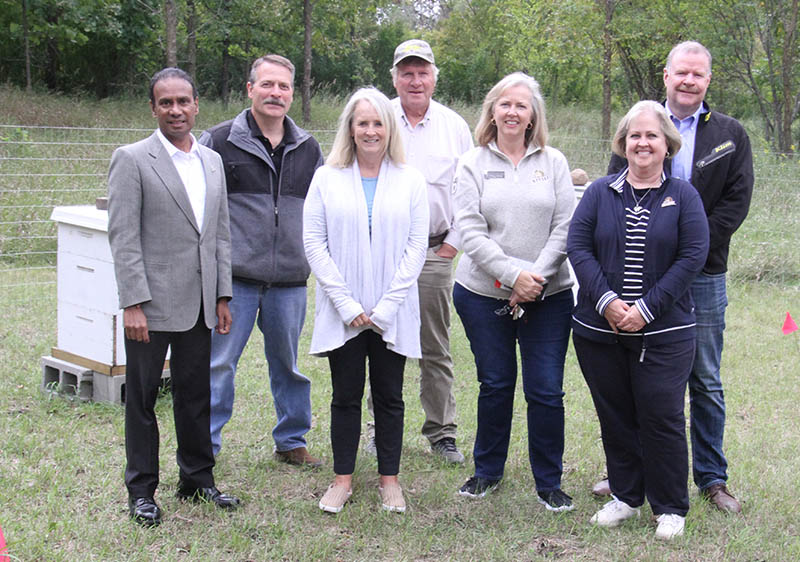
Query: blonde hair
[[343, 152], [486, 130], [671, 134]]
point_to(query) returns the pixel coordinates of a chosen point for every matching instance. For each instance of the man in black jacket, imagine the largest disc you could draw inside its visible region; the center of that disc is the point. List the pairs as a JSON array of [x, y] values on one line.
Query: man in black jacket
[[269, 162], [716, 158]]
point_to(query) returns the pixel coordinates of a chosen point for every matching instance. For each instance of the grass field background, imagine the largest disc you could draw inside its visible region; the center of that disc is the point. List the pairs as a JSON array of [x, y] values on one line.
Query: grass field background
[[62, 495]]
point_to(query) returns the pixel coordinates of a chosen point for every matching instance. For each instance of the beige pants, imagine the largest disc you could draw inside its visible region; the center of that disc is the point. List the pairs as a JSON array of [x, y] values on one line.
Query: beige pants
[[436, 366]]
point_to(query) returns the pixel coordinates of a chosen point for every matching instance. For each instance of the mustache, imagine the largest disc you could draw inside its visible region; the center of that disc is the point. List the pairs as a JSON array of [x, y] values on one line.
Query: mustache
[[274, 101]]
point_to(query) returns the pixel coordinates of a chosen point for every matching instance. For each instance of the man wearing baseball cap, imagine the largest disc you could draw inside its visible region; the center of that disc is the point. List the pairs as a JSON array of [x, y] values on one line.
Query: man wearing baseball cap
[[434, 137]]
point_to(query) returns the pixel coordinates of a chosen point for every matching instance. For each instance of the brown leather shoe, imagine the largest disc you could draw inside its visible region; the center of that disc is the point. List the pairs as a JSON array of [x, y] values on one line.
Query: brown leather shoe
[[602, 488], [298, 457], [722, 499]]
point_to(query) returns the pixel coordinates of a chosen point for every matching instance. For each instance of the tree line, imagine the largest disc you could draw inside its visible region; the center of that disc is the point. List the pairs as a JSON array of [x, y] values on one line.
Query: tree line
[[608, 53]]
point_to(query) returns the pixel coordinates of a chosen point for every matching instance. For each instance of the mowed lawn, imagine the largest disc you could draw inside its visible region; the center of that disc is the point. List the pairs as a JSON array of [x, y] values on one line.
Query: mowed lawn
[[62, 495]]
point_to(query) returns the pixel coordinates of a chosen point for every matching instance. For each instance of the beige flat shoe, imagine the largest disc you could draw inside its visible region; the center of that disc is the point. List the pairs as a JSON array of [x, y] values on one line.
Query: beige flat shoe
[[392, 498], [334, 499]]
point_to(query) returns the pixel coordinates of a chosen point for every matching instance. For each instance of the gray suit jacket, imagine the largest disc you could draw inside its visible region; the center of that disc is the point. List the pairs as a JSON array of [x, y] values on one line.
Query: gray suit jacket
[[162, 261]]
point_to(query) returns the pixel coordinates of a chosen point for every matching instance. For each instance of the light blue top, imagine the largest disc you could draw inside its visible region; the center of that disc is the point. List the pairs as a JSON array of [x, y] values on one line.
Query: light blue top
[[682, 162], [369, 185]]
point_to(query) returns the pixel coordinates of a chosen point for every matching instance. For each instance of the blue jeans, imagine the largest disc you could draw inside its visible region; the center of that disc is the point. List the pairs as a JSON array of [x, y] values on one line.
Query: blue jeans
[[279, 313], [543, 335], [709, 466]]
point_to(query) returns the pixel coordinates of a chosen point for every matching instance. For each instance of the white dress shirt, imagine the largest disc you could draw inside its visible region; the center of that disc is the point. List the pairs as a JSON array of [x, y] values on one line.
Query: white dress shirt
[[190, 169]]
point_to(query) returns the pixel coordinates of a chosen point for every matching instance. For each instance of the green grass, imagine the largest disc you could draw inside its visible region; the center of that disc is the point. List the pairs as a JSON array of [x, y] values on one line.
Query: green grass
[[62, 495]]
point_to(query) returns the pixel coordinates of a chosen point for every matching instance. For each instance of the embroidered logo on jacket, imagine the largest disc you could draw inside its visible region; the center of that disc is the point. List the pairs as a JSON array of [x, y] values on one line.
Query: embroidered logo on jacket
[[539, 175], [668, 202]]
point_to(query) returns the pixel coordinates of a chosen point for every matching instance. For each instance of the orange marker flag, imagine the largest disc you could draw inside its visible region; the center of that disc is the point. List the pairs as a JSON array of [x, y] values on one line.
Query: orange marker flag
[[3, 549], [789, 325]]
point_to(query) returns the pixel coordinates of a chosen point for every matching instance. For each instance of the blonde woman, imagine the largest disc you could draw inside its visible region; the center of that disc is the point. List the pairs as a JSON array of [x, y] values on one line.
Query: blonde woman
[[514, 199], [365, 231]]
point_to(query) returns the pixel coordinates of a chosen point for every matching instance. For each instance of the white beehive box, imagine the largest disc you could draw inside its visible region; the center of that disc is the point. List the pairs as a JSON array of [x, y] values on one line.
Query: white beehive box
[[90, 329]]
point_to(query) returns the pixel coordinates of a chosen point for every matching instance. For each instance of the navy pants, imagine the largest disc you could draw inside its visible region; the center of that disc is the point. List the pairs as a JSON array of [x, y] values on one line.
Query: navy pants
[[640, 403], [542, 335]]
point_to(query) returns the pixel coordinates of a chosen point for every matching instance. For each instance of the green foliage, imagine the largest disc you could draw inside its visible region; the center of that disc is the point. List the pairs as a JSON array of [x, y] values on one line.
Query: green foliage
[[109, 48]]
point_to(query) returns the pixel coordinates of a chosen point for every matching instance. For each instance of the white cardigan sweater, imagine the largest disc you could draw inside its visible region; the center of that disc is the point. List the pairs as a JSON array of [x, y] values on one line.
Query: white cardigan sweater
[[356, 273]]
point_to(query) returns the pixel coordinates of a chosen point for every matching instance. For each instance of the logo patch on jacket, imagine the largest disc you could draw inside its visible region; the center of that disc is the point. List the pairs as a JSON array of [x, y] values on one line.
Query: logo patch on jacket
[[716, 153], [539, 175], [668, 202]]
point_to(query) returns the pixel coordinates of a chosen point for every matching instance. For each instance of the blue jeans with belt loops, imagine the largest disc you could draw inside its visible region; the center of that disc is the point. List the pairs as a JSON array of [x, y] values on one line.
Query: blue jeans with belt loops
[[707, 411], [542, 335], [279, 313]]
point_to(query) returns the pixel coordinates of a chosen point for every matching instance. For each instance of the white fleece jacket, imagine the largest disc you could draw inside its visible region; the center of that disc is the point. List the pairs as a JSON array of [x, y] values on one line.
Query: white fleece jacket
[[356, 273], [512, 219]]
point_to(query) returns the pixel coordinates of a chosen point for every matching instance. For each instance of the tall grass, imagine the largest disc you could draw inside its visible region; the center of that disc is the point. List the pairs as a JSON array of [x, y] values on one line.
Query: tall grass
[[61, 462]]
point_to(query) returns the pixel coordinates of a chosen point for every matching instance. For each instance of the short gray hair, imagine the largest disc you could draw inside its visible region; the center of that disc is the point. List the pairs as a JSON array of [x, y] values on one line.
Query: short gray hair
[[343, 152], [272, 59], [671, 134], [688, 47]]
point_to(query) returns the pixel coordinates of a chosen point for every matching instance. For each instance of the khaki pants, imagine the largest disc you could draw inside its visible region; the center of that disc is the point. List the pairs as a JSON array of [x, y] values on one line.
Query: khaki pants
[[436, 366]]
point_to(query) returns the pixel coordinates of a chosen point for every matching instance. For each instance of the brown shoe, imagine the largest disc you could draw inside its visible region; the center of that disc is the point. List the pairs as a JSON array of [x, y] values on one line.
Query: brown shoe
[[602, 488], [722, 499], [298, 457]]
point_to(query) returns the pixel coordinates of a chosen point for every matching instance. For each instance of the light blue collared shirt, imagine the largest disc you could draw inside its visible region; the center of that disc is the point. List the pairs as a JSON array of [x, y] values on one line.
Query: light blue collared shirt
[[682, 162]]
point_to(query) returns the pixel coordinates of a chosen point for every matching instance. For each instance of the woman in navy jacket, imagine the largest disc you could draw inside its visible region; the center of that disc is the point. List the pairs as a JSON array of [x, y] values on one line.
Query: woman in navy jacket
[[636, 242]]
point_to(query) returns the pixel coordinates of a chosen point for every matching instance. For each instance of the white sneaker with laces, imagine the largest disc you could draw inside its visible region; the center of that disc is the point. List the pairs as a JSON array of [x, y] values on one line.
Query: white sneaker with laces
[[614, 513], [670, 525]]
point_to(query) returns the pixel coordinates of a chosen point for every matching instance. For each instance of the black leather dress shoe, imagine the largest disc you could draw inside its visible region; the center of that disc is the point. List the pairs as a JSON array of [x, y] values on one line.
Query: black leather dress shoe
[[144, 511], [210, 495]]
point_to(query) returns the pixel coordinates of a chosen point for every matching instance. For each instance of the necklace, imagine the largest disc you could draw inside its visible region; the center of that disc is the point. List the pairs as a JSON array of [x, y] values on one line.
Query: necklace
[[637, 203]]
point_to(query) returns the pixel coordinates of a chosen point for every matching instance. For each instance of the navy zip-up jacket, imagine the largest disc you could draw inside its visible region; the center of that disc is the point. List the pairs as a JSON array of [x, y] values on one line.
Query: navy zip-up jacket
[[722, 171], [675, 251]]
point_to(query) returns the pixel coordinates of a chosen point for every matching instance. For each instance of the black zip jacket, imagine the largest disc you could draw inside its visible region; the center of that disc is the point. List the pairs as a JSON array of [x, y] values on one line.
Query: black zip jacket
[[266, 211]]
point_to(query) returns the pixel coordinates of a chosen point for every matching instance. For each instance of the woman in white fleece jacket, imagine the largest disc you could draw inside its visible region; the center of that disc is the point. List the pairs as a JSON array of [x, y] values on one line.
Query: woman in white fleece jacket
[[365, 231], [513, 201]]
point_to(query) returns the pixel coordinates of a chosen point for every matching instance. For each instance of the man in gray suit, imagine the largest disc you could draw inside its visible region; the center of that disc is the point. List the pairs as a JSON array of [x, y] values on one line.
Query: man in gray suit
[[170, 239]]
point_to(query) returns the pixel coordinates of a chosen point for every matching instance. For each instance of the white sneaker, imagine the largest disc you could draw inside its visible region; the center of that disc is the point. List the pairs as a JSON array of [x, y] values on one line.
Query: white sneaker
[[670, 525], [614, 513]]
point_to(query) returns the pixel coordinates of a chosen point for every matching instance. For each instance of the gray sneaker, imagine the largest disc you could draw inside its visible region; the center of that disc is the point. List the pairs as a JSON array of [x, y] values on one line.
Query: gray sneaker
[[446, 448]]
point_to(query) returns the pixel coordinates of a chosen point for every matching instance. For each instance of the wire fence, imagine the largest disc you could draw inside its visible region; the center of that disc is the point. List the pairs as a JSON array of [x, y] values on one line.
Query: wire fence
[[44, 167]]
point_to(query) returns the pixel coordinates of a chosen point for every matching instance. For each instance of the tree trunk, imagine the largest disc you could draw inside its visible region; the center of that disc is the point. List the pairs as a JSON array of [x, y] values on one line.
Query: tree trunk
[[225, 74], [788, 61], [171, 32], [51, 74], [191, 39], [225, 79], [28, 81], [607, 53], [306, 88]]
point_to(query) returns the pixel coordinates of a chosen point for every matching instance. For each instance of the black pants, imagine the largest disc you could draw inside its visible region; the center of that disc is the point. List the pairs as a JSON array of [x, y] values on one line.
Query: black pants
[[640, 405], [386, 381], [189, 371]]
